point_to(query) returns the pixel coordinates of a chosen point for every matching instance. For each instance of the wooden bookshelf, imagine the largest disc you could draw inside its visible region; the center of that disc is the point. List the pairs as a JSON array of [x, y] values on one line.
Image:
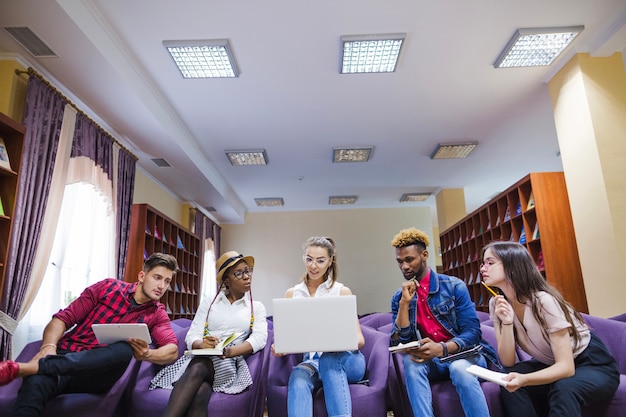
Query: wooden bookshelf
[[13, 134], [535, 211], [152, 231]]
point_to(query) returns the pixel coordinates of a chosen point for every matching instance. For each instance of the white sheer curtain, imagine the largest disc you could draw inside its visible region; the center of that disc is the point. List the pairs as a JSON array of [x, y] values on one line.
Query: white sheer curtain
[[209, 279], [83, 251]]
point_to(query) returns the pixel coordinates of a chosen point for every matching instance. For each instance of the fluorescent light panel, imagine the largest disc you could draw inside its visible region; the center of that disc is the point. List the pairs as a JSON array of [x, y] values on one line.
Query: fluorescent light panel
[[342, 199], [370, 53], [453, 150], [352, 154], [203, 58], [413, 197], [536, 47], [242, 158], [269, 202]]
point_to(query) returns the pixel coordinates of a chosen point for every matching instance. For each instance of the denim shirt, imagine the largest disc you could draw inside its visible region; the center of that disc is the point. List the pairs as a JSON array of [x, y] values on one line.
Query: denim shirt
[[450, 303]]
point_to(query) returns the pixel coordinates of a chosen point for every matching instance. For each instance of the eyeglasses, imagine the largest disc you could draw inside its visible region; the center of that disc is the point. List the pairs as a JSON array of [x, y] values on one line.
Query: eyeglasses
[[240, 274], [320, 262]]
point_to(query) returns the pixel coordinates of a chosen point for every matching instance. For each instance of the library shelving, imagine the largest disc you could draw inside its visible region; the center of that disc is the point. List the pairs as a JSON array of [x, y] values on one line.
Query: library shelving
[[12, 134], [535, 212], [152, 231]]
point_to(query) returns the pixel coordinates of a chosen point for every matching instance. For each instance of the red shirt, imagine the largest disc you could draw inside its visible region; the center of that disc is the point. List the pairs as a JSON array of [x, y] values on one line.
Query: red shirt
[[109, 301], [427, 324]]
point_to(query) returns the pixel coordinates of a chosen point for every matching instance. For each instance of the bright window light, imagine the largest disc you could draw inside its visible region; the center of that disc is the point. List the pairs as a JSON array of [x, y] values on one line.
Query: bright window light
[[536, 47], [203, 59], [371, 53]]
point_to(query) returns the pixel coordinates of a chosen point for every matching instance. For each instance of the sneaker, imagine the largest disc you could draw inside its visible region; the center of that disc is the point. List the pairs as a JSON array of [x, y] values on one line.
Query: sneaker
[[8, 372]]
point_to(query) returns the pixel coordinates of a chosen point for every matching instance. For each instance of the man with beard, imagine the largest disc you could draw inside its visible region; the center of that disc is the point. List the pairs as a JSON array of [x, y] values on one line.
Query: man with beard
[[436, 310]]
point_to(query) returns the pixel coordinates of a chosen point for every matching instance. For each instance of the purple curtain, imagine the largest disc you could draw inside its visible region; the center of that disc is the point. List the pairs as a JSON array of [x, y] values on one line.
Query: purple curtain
[[125, 188], [91, 142], [43, 117]]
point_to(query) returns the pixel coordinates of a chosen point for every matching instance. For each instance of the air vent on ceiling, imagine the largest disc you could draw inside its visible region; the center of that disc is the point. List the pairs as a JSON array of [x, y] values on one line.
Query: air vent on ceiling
[[31, 42], [160, 162], [210, 208]]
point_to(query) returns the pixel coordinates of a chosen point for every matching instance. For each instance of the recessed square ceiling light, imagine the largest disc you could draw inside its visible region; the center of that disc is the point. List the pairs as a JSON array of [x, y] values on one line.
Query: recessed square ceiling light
[[453, 150], [536, 47], [203, 58], [269, 202], [352, 154], [370, 53], [413, 197], [342, 199], [253, 157]]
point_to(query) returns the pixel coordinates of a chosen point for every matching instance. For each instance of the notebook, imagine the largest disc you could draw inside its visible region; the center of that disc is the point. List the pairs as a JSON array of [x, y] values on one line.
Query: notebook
[[324, 324], [108, 333]]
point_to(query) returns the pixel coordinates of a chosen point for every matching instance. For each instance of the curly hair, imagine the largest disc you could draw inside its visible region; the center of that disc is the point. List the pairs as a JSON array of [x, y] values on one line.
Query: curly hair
[[411, 236]]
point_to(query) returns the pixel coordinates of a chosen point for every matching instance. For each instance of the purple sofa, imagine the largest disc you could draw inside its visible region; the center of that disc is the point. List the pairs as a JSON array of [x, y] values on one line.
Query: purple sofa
[[76, 405], [140, 401], [368, 398], [446, 402]]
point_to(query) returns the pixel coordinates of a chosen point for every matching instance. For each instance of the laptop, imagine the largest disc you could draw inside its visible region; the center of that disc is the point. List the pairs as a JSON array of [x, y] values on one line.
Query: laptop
[[108, 333], [324, 324]]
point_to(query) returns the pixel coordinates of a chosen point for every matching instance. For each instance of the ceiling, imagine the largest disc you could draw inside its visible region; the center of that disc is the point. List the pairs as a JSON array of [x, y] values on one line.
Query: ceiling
[[291, 100]]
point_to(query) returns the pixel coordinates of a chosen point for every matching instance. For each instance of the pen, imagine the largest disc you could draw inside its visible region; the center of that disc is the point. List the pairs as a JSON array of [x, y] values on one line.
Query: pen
[[489, 289]]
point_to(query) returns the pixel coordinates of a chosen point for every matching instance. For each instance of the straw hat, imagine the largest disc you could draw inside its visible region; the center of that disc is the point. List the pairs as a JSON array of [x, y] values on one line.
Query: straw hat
[[229, 259]]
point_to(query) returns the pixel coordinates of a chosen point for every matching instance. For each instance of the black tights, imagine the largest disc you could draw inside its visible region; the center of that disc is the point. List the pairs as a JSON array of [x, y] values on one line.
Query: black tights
[[191, 393]]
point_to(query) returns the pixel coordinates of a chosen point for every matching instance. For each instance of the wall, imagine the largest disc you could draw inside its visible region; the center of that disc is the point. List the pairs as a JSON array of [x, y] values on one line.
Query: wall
[[148, 191], [12, 89], [365, 256]]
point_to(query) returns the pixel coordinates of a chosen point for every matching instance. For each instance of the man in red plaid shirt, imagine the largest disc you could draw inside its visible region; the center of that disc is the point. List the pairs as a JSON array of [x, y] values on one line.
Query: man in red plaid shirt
[[74, 361]]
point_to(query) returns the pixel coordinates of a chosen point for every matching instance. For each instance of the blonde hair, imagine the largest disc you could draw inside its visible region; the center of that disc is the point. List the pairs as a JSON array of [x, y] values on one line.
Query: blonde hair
[[411, 236]]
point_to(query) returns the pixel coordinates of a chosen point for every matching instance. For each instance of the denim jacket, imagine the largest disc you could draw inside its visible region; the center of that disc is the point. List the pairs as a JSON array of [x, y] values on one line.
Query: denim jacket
[[450, 303]]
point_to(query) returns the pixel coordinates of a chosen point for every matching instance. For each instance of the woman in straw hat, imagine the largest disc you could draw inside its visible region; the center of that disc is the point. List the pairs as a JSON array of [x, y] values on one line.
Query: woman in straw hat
[[231, 310], [335, 370]]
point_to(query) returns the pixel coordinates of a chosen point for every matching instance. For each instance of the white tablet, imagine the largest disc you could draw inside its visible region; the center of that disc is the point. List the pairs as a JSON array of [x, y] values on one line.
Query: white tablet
[[115, 332]]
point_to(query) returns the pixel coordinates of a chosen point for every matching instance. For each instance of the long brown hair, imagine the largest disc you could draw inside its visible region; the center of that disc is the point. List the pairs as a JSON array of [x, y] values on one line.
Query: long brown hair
[[329, 245], [526, 280]]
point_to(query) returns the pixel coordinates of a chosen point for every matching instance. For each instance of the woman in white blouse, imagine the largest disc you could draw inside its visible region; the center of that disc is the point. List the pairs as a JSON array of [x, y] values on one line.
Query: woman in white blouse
[[232, 310]]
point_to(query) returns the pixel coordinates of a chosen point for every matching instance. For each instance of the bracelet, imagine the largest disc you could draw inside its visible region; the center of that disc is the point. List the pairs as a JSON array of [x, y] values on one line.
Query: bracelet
[[445, 349], [54, 345], [506, 324]]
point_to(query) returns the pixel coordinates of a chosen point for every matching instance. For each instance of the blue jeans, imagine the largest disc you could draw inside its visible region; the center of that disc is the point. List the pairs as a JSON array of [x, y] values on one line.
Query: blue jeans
[[419, 375], [92, 371], [334, 371]]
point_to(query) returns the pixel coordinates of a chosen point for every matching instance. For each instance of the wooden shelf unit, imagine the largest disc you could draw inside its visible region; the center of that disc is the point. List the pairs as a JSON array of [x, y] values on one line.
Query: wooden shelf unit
[[13, 134], [152, 231], [534, 211]]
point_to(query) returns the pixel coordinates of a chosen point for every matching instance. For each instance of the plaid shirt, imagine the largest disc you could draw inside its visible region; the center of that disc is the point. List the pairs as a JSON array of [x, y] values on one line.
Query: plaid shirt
[[109, 301]]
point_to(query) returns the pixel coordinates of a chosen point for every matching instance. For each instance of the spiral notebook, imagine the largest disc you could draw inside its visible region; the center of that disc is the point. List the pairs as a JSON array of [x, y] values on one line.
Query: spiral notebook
[[324, 324]]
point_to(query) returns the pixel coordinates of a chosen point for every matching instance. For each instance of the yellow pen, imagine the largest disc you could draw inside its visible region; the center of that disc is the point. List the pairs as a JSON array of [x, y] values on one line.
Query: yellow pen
[[489, 289]]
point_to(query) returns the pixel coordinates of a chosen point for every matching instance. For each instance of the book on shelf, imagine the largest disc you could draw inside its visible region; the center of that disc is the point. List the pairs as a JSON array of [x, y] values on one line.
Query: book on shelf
[[507, 215], [536, 232], [172, 241], [540, 263], [156, 232], [4, 155], [164, 238], [145, 254], [531, 202], [518, 209], [218, 350], [2, 208], [179, 244], [148, 232], [522, 236], [487, 374]]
